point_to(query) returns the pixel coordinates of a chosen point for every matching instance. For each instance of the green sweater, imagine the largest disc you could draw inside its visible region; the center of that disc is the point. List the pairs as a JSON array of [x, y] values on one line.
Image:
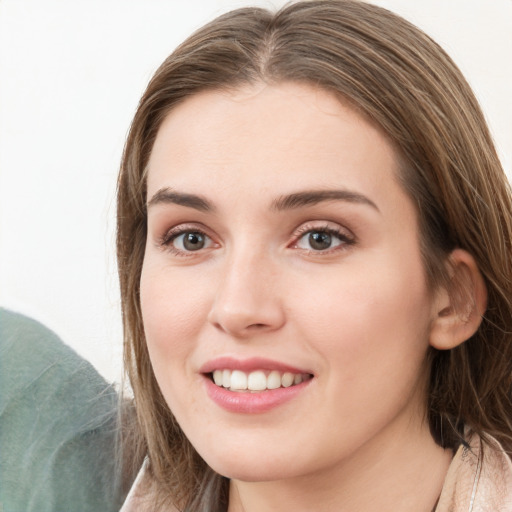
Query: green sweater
[[57, 425]]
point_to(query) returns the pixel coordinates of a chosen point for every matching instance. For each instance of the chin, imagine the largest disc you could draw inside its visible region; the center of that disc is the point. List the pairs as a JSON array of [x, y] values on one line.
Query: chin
[[250, 473], [249, 468]]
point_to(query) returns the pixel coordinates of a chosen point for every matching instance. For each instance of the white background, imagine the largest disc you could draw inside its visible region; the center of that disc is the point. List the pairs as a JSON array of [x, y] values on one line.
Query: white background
[[71, 74]]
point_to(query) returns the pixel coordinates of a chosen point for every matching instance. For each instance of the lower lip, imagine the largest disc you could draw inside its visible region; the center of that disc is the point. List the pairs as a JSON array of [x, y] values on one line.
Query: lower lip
[[252, 403]]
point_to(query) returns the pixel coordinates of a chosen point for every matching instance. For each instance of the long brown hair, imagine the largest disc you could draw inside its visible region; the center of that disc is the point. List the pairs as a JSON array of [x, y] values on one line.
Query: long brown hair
[[396, 75]]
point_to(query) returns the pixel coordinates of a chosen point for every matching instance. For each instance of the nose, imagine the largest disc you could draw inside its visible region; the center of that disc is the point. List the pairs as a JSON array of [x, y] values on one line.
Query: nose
[[247, 301]]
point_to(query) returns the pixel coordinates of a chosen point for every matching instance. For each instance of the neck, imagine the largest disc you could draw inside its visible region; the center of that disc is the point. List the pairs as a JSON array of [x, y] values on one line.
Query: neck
[[386, 474]]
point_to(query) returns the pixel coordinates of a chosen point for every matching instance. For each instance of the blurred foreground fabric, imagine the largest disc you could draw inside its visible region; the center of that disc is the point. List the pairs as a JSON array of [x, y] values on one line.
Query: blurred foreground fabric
[[58, 420]]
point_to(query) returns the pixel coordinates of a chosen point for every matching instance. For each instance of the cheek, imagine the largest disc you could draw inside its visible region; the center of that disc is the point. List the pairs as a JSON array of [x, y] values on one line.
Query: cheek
[[371, 331], [173, 309], [372, 316], [173, 312]]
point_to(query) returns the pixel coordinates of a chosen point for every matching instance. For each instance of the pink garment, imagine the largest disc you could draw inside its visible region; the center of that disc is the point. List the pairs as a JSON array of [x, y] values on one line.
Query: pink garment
[[479, 479]]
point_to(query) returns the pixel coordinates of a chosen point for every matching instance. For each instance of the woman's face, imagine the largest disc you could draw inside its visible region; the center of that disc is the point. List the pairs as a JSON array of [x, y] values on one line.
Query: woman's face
[[283, 255]]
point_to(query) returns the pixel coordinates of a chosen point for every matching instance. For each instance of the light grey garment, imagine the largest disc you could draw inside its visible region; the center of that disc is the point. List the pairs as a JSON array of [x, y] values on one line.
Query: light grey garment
[[57, 425]]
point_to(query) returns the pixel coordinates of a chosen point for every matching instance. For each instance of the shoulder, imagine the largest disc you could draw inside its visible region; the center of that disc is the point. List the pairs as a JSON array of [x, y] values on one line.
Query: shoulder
[[479, 479], [140, 499], [57, 423]]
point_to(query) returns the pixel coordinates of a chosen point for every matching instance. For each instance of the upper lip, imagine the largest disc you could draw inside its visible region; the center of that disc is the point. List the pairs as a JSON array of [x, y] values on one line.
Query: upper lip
[[248, 365]]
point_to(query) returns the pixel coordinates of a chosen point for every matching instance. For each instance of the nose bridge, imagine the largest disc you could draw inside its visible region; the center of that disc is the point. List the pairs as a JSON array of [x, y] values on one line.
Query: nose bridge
[[247, 298]]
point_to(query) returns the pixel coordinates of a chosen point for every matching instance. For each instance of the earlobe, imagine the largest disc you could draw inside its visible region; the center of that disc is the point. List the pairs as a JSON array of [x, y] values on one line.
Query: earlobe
[[459, 307]]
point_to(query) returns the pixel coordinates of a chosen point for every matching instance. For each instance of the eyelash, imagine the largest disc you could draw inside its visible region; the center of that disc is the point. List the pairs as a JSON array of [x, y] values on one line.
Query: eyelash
[[170, 236], [345, 240]]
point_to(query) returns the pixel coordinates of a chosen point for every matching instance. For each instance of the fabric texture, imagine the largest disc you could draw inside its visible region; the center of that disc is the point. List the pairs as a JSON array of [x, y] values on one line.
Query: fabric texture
[[479, 479], [57, 425]]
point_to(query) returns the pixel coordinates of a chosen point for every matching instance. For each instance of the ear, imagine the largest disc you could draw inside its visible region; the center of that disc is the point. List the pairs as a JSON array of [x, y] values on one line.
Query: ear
[[458, 308]]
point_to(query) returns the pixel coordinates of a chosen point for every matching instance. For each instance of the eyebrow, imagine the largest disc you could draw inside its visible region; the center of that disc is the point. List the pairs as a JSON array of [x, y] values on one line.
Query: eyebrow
[[286, 202], [312, 197], [168, 196]]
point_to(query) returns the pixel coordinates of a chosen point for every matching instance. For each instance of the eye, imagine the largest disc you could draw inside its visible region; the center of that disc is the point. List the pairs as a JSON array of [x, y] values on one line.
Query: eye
[[186, 241], [323, 239]]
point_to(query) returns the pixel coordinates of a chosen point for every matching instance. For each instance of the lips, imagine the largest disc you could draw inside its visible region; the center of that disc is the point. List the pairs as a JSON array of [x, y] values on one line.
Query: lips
[[252, 385]]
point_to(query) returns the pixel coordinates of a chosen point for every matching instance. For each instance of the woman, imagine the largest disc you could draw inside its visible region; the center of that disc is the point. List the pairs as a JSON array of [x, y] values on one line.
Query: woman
[[314, 237]]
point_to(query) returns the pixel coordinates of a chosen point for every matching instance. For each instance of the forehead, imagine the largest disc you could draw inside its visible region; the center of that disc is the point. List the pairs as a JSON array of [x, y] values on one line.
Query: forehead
[[280, 135]]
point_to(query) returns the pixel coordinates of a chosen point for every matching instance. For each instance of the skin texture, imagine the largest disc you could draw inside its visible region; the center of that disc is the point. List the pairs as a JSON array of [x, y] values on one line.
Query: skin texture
[[357, 316]]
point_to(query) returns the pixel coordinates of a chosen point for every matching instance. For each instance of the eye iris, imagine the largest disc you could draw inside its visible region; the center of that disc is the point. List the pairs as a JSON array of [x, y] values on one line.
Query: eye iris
[[320, 240], [193, 241]]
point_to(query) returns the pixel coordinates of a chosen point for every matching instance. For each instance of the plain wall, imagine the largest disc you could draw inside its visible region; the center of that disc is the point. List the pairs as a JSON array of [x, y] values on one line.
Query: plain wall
[[71, 74]]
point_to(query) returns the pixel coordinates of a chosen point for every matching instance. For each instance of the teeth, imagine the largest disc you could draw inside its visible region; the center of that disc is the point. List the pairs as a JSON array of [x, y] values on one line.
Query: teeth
[[226, 378], [217, 377], [287, 380], [274, 380], [238, 381], [258, 380]]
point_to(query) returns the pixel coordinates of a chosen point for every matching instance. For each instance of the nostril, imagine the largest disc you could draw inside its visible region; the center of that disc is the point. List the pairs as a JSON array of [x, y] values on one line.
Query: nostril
[[241, 319]]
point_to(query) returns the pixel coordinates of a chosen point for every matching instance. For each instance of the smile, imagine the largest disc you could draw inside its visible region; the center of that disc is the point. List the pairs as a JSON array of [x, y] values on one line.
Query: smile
[[256, 381], [255, 385]]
